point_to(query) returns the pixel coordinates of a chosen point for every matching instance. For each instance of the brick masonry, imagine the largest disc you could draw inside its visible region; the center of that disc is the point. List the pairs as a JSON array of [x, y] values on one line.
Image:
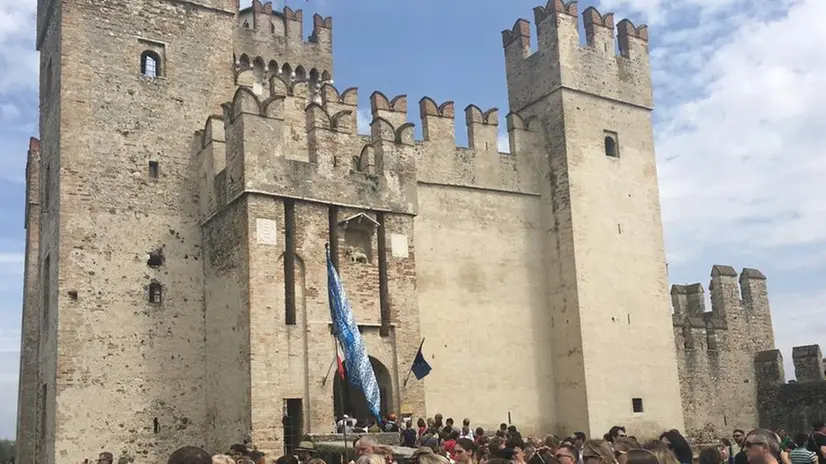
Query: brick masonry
[[534, 275]]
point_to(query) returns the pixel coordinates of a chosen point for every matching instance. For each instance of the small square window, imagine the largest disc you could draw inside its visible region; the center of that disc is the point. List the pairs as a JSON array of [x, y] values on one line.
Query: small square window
[[636, 403], [153, 169], [155, 293]]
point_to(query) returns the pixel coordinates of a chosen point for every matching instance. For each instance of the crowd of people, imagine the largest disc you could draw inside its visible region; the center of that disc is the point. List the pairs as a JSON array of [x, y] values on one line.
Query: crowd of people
[[438, 442]]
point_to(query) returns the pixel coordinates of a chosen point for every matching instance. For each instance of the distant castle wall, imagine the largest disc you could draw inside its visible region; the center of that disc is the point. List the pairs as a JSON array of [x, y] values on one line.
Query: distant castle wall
[[716, 350], [796, 405]]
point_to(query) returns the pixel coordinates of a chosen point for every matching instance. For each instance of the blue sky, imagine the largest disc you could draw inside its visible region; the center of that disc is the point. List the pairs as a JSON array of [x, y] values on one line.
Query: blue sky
[[740, 103]]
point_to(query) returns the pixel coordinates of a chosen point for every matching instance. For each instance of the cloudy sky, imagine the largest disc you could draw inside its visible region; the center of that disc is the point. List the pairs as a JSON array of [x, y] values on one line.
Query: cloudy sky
[[740, 107]]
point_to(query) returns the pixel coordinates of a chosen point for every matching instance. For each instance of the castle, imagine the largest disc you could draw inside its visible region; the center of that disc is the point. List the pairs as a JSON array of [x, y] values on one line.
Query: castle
[[195, 158]]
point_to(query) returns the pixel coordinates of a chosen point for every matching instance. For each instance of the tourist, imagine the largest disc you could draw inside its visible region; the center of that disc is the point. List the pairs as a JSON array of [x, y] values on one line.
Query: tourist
[[800, 454], [106, 458], [711, 455], [567, 454], [614, 433], [762, 446], [422, 426], [304, 451], [675, 441], [739, 437], [663, 452], [409, 436], [817, 442], [598, 452], [189, 455], [463, 452]]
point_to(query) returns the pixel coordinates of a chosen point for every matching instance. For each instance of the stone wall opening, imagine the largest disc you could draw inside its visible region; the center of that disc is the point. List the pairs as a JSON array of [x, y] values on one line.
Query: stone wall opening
[[351, 401]]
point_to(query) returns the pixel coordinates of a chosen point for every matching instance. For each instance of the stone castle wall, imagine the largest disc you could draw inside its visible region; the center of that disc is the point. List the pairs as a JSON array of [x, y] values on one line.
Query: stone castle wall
[[795, 405], [525, 253], [716, 350]]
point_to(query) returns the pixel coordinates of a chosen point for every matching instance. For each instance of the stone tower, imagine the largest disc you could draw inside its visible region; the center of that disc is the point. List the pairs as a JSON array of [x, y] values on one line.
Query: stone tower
[[606, 270], [114, 349]]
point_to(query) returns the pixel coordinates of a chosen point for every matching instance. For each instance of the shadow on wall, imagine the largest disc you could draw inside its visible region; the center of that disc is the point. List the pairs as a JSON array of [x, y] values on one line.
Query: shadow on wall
[[794, 405]]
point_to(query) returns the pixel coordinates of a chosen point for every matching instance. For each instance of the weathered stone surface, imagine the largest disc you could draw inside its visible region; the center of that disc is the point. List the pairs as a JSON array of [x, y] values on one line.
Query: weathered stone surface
[[717, 351], [794, 406], [550, 255]]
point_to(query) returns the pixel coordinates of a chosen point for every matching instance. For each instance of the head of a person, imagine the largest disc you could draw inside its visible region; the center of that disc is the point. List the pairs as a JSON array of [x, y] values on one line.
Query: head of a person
[[257, 457], [664, 454], [496, 443], [503, 427], [643, 456], [567, 454], [597, 452], [370, 459], [710, 455], [552, 442], [622, 446], [725, 441], [579, 439], [106, 458], [464, 450], [675, 441], [421, 423], [466, 422], [819, 427], [286, 460], [305, 451], [365, 446], [800, 439], [738, 436], [615, 432], [222, 459], [189, 455], [449, 422], [432, 458], [437, 420], [761, 445]]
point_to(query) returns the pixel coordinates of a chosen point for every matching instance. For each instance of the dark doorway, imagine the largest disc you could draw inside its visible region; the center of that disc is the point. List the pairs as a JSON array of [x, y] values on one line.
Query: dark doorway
[[293, 423], [350, 400]]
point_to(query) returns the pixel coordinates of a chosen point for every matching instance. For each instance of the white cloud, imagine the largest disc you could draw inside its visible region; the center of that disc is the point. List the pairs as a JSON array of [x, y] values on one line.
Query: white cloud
[[739, 110]]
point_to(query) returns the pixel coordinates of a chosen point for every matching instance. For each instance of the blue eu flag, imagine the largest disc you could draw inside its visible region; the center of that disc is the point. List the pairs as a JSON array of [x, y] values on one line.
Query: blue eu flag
[[420, 366]]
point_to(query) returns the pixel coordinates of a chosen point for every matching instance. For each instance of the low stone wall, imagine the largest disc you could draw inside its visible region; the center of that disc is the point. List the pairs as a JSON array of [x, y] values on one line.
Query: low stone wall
[[390, 439]]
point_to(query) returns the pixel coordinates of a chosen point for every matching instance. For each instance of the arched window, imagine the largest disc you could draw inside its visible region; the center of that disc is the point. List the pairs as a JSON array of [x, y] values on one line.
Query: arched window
[[611, 148], [150, 64]]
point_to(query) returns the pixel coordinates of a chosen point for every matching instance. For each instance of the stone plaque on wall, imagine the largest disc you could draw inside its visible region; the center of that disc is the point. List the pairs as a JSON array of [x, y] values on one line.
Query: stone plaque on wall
[[266, 231], [398, 245]]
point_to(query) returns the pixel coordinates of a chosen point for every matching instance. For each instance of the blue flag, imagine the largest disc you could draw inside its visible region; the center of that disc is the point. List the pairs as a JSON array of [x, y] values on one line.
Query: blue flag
[[420, 366], [359, 370]]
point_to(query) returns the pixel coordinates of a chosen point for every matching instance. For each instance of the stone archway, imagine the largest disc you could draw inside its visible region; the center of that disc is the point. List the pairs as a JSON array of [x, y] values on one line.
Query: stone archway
[[349, 400]]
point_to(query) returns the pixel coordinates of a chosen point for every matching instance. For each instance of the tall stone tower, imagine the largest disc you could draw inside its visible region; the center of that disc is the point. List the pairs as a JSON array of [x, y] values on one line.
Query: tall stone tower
[[613, 354], [122, 85]]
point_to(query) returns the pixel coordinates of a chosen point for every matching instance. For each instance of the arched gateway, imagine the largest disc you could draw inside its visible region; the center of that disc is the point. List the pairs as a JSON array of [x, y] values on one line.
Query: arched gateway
[[351, 401]]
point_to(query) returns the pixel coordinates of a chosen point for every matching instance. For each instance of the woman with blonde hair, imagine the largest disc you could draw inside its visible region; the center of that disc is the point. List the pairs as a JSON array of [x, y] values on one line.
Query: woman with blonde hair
[[598, 452], [663, 453]]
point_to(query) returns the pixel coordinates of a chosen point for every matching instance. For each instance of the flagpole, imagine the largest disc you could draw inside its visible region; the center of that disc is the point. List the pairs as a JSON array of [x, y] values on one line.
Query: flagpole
[[421, 345], [340, 381]]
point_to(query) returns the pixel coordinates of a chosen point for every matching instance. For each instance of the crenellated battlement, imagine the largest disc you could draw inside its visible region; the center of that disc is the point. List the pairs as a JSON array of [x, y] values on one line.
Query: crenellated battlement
[[289, 145], [271, 43], [734, 303], [440, 159], [562, 60]]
